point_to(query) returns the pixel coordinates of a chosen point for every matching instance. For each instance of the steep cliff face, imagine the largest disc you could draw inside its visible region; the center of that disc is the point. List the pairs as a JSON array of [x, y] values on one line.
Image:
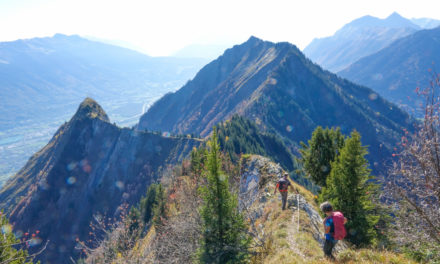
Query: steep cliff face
[[89, 167]]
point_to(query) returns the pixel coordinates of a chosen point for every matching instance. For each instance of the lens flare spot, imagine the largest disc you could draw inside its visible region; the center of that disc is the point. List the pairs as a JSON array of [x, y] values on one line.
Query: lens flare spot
[[373, 96], [71, 180], [257, 121], [43, 185], [71, 166], [35, 241], [222, 177], [377, 77], [119, 185], [87, 168], [6, 229], [18, 234]]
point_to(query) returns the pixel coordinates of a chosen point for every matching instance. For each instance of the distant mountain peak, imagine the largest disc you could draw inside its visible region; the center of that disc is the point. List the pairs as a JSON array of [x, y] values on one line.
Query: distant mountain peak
[[66, 37], [254, 39], [90, 109], [396, 20], [394, 15]]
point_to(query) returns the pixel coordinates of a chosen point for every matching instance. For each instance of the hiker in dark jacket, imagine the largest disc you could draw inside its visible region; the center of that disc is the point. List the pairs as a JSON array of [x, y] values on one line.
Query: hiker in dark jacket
[[283, 186], [329, 230]]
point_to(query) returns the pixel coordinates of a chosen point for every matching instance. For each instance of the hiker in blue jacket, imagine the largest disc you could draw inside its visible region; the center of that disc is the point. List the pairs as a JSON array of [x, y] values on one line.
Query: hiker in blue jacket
[[329, 230]]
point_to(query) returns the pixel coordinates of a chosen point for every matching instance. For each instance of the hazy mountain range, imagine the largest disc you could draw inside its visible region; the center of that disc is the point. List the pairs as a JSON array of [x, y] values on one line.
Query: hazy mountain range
[[397, 70], [357, 39], [39, 75], [426, 23]]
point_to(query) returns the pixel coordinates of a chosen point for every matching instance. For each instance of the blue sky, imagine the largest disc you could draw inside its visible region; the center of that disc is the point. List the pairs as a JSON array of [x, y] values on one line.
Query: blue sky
[[161, 27]]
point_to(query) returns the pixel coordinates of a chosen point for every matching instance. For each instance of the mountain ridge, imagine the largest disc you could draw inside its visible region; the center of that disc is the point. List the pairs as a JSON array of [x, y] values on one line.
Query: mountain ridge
[[277, 87]]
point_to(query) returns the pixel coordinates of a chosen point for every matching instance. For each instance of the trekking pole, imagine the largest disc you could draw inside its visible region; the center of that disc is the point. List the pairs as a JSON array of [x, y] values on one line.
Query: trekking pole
[[297, 201]]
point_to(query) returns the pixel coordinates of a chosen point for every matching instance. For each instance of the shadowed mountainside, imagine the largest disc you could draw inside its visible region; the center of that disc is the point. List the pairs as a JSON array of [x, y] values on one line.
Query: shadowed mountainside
[[89, 167]]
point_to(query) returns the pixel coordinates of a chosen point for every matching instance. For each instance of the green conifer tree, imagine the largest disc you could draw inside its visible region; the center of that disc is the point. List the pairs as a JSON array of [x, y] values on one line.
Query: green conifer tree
[[322, 149], [134, 221], [8, 244], [350, 189], [224, 237], [147, 203], [160, 207], [198, 158]]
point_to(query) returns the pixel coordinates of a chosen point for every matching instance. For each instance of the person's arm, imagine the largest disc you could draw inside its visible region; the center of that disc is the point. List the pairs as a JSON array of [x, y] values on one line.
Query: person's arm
[[276, 187], [327, 227], [345, 220]]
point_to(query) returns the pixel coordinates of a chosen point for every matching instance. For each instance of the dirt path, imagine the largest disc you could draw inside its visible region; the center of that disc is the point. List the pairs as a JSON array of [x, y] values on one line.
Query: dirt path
[[292, 233]]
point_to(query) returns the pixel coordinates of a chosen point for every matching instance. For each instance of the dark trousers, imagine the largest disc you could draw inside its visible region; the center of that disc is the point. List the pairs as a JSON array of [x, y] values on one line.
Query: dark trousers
[[284, 199], [328, 248]]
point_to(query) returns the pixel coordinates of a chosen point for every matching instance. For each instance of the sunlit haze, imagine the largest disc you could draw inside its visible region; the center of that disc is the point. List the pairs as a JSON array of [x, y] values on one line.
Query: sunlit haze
[[163, 27]]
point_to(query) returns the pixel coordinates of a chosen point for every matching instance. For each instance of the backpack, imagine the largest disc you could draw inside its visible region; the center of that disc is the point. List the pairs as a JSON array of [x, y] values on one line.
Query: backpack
[[283, 185], [338, 221]]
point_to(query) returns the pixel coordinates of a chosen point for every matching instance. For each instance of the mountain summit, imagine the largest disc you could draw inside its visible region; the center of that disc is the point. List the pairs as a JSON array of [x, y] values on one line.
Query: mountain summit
[[283, 92], [89, 108], [219, 89]]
